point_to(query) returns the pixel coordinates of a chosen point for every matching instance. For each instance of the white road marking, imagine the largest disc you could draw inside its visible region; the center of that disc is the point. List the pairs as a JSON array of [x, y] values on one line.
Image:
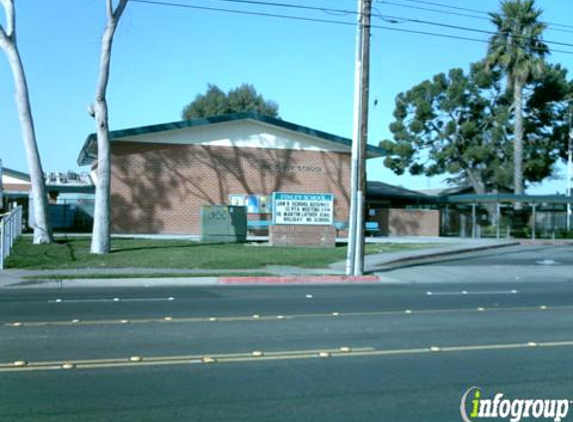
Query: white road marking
[[115, 299], [467, 293]]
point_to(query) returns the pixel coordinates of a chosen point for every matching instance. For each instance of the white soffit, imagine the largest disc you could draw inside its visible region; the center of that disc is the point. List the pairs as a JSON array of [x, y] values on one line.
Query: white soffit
[[241, 134], [7, 180]]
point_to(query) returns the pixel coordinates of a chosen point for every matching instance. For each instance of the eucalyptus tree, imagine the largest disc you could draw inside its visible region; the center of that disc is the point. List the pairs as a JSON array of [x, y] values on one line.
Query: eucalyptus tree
[[98, 110], [42, 229], [518, 49]]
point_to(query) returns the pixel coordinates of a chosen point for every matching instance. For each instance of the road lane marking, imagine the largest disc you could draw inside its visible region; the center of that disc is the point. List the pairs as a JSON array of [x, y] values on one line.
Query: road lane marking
[[175, 360], [468, 293], [270, 356], [159, 320], [114, 300]]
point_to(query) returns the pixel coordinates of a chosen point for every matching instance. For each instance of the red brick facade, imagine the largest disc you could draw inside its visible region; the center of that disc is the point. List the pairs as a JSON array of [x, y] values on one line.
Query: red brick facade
[[404, 222], [159, 188]]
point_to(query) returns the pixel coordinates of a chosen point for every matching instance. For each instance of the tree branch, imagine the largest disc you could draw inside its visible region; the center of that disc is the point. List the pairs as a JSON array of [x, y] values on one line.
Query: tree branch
[[10, 31], [109, 9], [119, 9]]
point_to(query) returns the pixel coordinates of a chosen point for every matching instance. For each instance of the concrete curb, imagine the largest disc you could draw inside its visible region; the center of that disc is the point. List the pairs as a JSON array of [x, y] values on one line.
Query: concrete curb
[[437, 254], [326, 279], [191, 281]]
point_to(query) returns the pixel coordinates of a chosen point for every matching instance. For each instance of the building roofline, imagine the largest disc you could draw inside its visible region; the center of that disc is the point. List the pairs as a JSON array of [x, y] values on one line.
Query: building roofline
[[15, 173], [88, 152]]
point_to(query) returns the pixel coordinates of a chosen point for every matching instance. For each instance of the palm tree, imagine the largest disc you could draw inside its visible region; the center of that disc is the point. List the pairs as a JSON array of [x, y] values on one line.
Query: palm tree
[[518, 49]]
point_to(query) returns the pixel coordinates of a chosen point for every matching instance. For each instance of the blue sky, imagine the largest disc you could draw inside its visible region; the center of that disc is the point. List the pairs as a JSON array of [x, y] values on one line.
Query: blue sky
[[163, 56]]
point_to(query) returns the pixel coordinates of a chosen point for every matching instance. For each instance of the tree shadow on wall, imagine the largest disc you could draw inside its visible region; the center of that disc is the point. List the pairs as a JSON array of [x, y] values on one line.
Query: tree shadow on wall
[[156, 182], [403, 226]]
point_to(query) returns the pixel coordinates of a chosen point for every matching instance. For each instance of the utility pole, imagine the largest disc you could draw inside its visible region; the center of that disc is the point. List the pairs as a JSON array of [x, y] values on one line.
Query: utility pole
[[355, 255]]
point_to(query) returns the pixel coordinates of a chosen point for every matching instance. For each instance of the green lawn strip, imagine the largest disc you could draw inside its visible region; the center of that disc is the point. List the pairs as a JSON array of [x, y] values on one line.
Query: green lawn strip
[[73, 253], [141, 275]]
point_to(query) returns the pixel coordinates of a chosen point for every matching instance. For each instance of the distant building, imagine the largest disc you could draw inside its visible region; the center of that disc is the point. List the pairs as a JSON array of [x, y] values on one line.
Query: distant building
[[70, 195]]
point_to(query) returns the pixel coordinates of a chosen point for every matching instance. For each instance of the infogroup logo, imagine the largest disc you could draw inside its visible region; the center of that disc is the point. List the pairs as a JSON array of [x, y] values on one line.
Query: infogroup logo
[[475, 407]]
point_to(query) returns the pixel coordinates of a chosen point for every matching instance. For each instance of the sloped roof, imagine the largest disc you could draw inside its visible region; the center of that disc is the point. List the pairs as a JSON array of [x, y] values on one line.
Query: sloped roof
[[88, 152], [15, 174], [385, 190]]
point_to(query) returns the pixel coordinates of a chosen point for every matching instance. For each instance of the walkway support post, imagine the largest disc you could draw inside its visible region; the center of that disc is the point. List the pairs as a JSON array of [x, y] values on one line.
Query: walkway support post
[[474, 220], [497, 219], [533, 222]]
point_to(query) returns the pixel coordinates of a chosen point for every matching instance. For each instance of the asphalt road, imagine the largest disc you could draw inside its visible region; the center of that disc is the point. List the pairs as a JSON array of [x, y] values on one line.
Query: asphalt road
[[409, 351]]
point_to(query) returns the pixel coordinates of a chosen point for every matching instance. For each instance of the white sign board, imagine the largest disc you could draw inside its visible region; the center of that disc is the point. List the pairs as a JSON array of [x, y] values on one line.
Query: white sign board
[[303, 208]]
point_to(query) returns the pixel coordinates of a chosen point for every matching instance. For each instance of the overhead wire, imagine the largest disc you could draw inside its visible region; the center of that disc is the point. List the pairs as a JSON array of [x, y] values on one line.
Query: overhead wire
[[483, 12], [330, 21]]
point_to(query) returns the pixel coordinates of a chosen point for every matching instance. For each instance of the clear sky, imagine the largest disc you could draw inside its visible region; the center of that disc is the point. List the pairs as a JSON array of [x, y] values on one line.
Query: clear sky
[[163, 56]]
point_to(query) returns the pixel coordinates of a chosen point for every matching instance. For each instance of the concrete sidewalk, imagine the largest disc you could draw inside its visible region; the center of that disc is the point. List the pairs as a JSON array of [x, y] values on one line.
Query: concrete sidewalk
[[276, 274]]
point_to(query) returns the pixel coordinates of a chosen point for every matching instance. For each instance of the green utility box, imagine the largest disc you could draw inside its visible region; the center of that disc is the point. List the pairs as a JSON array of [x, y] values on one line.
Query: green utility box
[[223, 223]]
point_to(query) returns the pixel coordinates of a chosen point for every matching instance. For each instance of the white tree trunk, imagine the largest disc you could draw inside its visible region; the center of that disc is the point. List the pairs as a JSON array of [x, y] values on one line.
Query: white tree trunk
[[101, 228], [42, 229]]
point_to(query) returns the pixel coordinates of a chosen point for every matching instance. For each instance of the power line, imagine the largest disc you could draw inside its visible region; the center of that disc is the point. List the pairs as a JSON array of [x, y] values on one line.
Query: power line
[[465, 28], [293, 6], [465, 15], [448, 6], [319, 20]]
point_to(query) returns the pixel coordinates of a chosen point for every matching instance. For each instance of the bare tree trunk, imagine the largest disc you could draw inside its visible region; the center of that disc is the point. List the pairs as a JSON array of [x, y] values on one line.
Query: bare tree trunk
[[101, 228], [42, 229]]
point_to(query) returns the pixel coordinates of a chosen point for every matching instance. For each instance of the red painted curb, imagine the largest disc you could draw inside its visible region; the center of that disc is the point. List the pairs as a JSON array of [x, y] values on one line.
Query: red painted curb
[[299, 280]]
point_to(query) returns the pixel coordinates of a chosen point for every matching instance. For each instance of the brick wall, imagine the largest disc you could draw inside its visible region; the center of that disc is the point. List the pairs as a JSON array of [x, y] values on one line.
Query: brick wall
[[159, 188], [404, 222], [302, 236]]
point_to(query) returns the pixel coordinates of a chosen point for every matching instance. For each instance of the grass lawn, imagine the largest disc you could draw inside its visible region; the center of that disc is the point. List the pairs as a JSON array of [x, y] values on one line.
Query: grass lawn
[[142, 253]]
